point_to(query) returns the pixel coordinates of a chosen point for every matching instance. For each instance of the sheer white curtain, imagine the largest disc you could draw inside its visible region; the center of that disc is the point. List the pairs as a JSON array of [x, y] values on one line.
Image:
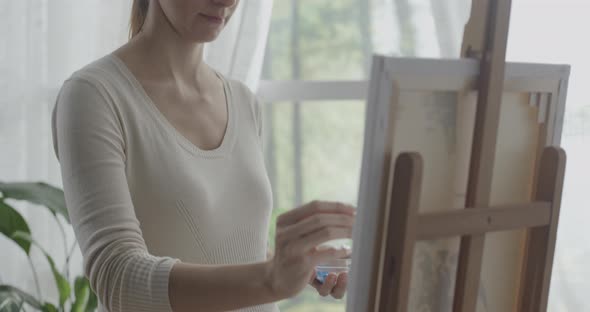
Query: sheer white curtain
[[239, 50], [42, 43], [434, 27]]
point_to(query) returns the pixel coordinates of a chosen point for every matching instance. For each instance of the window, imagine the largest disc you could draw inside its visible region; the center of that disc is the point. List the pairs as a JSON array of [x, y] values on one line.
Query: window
[[314, 123], [314, 79]]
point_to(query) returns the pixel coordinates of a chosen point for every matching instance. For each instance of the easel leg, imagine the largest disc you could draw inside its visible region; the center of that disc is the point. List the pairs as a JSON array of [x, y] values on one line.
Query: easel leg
[[494, 41], [536, 276], [399, 248]]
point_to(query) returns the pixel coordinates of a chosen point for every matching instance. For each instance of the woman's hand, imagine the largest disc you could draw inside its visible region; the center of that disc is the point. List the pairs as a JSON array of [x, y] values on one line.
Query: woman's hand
[[298, 234], [334, 284]]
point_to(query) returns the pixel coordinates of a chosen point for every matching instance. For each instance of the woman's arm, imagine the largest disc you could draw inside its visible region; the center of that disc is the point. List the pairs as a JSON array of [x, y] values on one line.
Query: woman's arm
[[220, 287], [299, 232], [89, 143]]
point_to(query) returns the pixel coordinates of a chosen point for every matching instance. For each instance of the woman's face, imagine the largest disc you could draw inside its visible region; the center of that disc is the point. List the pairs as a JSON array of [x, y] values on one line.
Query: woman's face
[[198, 20]]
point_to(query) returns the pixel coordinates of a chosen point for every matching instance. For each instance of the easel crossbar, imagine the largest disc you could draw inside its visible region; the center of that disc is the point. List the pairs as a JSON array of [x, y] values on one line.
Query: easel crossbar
[[467, 222], [406, 226]]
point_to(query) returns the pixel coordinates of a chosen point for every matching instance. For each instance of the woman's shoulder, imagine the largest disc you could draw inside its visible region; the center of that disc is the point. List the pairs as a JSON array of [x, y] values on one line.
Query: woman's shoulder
[[242, 94], [103, 81], [84, 101], [98, 72], [93, 91], [239, 88]]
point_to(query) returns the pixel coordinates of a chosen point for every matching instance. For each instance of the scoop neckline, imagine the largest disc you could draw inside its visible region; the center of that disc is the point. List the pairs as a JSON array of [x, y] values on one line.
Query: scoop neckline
[[228, 137]]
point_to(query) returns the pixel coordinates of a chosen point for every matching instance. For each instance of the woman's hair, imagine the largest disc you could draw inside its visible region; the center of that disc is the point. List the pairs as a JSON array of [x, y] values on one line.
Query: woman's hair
[[138, 14]]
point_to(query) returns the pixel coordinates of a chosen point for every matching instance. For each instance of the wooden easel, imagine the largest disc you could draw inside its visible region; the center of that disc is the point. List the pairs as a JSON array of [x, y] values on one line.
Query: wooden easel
[[485, 38]]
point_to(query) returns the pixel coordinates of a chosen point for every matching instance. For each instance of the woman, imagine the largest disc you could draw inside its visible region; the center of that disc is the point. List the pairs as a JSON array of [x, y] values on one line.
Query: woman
[[164, 179]]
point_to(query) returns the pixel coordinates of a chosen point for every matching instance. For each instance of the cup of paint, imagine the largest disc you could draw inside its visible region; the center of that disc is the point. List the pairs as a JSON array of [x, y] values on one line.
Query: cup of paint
[[334, 265]]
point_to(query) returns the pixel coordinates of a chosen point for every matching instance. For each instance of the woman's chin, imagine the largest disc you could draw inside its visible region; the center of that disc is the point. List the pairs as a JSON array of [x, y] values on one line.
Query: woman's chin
[[210, 38], [204, 36]]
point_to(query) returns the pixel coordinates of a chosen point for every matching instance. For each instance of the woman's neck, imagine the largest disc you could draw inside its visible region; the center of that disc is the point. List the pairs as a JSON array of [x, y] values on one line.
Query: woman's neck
[[168, 54]]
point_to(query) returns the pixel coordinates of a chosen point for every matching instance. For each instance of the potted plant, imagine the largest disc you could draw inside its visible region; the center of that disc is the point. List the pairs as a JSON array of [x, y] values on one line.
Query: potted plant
[[15, 228]]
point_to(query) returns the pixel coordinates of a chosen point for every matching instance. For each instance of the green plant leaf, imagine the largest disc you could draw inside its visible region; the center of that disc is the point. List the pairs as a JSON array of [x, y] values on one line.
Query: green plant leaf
[[13, 292], [82, 292], [38, 193], [12, 222], [62, 284], [92, 300], [48, 307], [8, 303]]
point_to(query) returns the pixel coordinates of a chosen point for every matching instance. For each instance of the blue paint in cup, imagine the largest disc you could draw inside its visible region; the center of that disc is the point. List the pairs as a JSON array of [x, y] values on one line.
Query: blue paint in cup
[[335, 266]]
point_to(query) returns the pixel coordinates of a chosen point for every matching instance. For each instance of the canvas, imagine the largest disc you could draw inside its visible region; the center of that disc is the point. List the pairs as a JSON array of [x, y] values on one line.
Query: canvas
[[428, 106]]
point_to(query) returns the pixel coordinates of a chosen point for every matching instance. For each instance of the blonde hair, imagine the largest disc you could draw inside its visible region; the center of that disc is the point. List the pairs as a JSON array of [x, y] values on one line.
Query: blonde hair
[[138, 14]]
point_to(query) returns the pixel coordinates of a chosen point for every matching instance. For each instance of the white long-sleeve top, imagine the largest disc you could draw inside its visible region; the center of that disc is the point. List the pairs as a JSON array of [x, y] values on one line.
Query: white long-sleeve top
[[141, 196]]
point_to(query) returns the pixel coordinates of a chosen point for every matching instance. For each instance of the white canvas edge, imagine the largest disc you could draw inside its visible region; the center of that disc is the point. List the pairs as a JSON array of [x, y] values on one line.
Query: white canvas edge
[[380, 89]]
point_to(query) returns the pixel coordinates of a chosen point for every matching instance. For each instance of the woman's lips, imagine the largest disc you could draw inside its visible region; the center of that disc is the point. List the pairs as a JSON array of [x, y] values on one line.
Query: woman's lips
[[213, 19]]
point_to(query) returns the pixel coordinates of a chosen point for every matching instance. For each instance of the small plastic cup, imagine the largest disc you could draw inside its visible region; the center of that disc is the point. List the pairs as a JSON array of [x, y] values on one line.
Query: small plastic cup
[[334, 266]]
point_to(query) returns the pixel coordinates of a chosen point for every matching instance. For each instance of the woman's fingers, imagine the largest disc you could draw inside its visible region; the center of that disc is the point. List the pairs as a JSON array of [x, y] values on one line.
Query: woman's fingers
[[309, 242], [340, 288], [312, 280], [295, 215], [314, 223], [334, 284], [299, 232], [328, 255], [329, 283]]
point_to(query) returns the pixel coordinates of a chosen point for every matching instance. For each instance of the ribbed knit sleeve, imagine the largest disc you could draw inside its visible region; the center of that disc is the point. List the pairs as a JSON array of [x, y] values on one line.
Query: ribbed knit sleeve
[[90, 145]]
